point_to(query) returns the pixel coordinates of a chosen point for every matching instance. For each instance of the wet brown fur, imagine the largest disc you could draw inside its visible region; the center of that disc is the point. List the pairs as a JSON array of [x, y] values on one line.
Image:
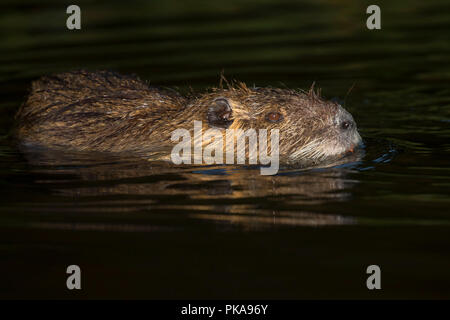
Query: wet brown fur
[[106, 111]]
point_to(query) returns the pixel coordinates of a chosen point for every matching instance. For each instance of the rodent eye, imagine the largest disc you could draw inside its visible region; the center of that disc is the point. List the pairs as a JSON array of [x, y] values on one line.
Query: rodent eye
[[274, 117], [345, 125]]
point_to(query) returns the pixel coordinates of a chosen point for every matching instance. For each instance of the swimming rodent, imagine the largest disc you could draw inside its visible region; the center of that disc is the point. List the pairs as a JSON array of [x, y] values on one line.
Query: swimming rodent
[[109, 112]]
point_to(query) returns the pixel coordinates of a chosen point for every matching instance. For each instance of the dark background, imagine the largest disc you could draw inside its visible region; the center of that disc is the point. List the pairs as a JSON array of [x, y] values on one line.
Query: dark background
[[149, 231]]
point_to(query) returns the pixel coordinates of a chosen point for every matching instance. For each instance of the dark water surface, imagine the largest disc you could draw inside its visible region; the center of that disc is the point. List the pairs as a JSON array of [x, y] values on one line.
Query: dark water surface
[[142, 229]]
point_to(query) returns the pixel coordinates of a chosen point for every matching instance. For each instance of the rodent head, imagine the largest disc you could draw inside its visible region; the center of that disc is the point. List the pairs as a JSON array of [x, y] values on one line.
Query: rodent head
[[310, 128]]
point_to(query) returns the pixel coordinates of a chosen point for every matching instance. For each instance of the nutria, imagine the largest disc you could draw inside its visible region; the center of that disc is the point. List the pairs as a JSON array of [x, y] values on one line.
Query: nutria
[[106, 111]]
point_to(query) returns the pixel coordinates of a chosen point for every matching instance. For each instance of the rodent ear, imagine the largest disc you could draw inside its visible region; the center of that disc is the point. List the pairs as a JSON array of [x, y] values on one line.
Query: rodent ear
[[220, 113]]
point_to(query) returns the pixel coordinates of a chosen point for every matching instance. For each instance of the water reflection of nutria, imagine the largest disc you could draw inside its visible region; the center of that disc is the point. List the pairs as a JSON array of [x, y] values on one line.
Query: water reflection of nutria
[[226, 192]]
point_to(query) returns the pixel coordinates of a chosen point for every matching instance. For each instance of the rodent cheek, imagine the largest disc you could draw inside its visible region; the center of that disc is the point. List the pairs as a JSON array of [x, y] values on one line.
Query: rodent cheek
[[343, 144]]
